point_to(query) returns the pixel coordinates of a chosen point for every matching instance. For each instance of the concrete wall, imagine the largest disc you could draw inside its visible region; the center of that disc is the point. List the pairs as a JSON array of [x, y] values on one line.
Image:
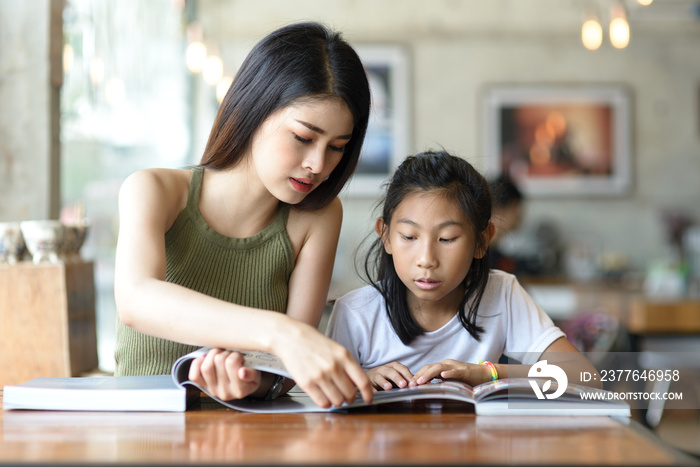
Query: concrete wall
[[29, 148]]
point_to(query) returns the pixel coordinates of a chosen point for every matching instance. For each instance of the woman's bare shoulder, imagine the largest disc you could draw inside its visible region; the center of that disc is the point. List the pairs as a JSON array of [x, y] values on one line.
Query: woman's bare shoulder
[[303, 224], [167, 189], [304, 219], [159, 179]]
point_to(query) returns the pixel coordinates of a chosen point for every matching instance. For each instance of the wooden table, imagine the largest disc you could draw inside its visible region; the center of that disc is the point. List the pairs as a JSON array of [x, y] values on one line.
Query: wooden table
[[211, 434]]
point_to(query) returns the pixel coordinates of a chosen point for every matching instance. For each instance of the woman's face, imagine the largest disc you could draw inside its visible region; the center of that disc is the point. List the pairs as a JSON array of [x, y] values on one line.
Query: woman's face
[[297, 147]]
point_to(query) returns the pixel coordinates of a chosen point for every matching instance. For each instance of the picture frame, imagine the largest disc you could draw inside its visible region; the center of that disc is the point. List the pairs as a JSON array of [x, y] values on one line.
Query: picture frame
[[559, 140], [387, 140]]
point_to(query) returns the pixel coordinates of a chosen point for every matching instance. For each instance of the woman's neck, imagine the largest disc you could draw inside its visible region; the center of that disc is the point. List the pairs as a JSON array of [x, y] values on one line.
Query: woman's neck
[[235, 204]]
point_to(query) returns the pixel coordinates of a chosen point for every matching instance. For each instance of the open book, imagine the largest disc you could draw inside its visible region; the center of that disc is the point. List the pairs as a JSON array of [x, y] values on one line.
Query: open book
[[500, 397], [173, 393]]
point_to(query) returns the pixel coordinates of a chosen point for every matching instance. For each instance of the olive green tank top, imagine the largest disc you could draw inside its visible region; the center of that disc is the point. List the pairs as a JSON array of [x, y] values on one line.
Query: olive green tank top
[[252, 271]]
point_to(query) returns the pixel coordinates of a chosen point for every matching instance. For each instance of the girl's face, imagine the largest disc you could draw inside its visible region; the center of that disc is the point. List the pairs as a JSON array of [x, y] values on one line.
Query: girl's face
[[432, 245], [297, 147]]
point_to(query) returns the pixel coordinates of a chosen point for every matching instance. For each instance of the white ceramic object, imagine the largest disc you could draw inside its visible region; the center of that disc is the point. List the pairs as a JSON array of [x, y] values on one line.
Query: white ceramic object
[[44, 239]]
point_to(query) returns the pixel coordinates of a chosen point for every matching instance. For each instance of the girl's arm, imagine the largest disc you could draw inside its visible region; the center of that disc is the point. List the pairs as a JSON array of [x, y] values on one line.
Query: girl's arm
[[560, 352], [149, 202]]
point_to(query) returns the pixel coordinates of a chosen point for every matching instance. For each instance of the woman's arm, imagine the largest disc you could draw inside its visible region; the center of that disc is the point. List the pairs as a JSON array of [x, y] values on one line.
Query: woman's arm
[[149, 202], [314, 236]]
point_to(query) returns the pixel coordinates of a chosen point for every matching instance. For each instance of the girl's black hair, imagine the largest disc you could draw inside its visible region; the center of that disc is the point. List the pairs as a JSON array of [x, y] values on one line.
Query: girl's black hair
[[458, 180], [296, 63]]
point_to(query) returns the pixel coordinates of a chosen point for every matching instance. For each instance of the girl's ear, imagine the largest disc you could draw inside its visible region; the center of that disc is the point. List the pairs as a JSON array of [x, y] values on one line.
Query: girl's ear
[[486, 237], [381, 228]]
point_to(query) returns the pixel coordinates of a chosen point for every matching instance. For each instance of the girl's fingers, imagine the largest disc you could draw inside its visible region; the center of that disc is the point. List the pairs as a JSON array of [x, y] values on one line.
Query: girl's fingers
[[395, 377], [392, 374], [427, 373], [464, 373], [380, 382], [404, 372]]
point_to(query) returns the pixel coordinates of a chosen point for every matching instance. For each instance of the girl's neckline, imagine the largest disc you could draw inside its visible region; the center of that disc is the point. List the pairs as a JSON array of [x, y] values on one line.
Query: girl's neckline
[[446, 323]]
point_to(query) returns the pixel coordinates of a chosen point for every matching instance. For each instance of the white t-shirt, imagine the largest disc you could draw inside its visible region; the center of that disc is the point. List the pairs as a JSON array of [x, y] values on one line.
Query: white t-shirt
[[514, 325]]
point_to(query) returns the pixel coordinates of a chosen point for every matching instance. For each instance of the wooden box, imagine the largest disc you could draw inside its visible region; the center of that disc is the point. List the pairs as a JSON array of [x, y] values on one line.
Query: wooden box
[[47, 321]]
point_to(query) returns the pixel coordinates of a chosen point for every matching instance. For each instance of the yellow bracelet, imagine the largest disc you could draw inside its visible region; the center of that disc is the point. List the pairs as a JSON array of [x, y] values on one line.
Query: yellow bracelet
[[492, 367]]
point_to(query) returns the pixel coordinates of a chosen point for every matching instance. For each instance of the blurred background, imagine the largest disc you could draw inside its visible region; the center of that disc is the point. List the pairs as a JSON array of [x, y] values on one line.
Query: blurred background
[[94, 90]]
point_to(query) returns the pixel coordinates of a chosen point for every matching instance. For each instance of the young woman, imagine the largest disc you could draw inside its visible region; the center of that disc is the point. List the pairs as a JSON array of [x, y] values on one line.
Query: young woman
[[238, 252], [434, 308]]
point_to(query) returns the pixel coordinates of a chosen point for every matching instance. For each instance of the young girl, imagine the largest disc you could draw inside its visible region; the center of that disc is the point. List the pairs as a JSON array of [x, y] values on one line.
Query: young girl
[[434, 308], [238, 252]]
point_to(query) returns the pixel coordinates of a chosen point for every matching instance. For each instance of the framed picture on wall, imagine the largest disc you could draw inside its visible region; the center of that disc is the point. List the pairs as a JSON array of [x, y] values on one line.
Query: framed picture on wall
[[386, 143], [559, 140]]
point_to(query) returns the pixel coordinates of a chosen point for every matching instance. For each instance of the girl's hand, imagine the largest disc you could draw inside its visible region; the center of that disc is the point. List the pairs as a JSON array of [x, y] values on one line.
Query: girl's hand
[[223, 374], [322, 368], [469, 373], [386, 376]]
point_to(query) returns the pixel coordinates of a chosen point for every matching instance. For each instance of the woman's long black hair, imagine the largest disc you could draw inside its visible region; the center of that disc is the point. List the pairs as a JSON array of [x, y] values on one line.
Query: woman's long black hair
[[457, 180], [298, 62]]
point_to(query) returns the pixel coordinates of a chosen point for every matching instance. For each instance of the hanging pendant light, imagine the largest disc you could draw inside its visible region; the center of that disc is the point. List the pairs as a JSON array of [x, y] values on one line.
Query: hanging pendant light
[[619, 27], [213, 70], [195, 56], [196, 52], [592, 33], [222, 87]]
